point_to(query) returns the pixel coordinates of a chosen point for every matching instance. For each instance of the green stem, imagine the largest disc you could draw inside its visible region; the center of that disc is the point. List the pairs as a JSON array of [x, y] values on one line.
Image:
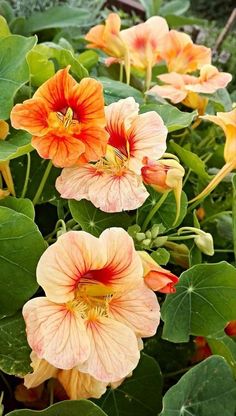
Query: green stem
[[121, 72], [227, 250], [42, 183], [186, 237], [24, 190], [154, 210], [212, 217]]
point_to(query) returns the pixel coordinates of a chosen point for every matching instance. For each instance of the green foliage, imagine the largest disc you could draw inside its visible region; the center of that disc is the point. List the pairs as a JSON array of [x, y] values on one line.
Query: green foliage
[[201, 391], [134, 396], [115, 90], [203, 303], [93, 220], [18, 144], [14, 72], [73, 408]]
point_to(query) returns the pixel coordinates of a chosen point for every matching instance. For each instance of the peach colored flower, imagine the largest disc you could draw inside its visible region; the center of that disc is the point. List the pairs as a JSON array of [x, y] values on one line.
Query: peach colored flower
[[155, 277], [74, 325], [227, 121], [108, 39], [186, 88], [144, 42], [66, 120], [164, 176], [114, 183], [77, 385], [181, 54]]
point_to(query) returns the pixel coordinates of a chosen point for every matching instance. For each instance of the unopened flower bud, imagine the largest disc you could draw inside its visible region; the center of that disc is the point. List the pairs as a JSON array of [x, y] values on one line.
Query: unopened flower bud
[[204, 242], [160, 241], [155, 277], [146, 242], [155, 230], [140, 236], [148, 234], [164, 176]]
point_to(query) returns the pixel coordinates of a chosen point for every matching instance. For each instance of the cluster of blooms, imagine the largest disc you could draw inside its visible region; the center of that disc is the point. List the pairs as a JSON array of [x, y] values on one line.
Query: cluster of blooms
[[103, 150], [87, 330]]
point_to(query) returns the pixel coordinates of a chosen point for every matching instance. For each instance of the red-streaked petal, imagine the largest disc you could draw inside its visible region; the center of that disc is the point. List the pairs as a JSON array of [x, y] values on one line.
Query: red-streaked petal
[[30, 116], [138, 309], [55, 333]]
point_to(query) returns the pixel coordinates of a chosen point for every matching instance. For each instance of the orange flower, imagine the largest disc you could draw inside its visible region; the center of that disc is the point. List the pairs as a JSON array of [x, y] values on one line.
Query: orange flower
[[155, 277], [66, 120], [227, 121], [186, 88], [108, 38], [181, 54], [144, 42]]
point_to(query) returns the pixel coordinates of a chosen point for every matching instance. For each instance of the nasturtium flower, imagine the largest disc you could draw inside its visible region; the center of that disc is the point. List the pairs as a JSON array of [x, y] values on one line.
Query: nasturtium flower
[[66, 120], [156, 277], [114, 183], [164, 176], [96, 305], [108, 39], [186, 88], [181, 55], [77, 385], [144, 43], [227, 121]]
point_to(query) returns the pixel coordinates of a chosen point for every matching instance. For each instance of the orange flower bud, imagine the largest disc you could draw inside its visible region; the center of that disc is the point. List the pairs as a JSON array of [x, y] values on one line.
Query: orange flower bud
[[155, 277]]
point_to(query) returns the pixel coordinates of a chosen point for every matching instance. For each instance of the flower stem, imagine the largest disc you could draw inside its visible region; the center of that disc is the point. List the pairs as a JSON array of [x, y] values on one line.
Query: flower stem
[[42, 183], [121, 72], [154, 210], [24, 190]]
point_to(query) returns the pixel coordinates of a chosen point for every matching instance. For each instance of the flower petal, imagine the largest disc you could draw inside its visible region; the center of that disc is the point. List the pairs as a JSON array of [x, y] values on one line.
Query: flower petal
[[114, 349], [138, 309], [122, 259], [42, 371], [31, 116], [64, 151], [147, 138], [55, 92], [81, 385], [56, 333], [61, 266]]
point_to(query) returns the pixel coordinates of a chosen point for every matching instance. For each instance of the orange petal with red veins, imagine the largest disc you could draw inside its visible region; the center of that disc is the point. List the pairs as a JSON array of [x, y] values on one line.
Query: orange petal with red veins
[[56, 333], [64, 151], [55, 92], [31, 116]]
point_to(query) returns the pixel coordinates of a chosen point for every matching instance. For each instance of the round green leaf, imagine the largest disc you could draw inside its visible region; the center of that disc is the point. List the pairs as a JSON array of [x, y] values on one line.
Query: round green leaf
[[139, 395], [207, 389], [116, 90], [14, 71], [21, 246], [205, 300], [14, 349], [65, 408], [93, 220], [22, 205]]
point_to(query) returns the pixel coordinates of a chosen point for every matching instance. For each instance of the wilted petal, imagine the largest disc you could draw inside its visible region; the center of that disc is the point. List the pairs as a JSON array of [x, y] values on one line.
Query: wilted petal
[[42, 371], [56, 333], [81, 385], [114, 349], [138, 309]]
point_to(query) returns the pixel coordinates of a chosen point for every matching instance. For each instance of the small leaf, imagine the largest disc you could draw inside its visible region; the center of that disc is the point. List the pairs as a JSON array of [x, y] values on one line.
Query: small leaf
[[4, 29], [20, 249], [58, 17], [176, 7], [178, 21], [192, 160], [161, 256], [203, 303], [64, 408], [138, 395], [93, 220], [221, 100], [226, 347], [201, 391], [88, 59], [14, 349], [173, 118], [21, 205], [41, 68], [14, 71], [116, 90], [18, 144]]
